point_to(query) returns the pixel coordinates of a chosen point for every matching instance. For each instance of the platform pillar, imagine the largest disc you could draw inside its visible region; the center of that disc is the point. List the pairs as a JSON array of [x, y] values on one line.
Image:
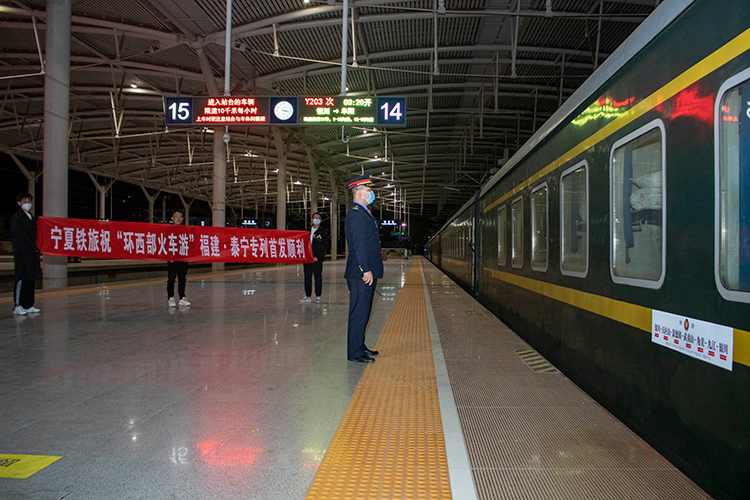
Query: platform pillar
[[218, 208], [56, 120], [280, 180]]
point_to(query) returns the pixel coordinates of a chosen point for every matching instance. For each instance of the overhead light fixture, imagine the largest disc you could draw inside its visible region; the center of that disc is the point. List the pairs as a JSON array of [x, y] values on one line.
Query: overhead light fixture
[[376, 157], [133, 86], [364, 131]]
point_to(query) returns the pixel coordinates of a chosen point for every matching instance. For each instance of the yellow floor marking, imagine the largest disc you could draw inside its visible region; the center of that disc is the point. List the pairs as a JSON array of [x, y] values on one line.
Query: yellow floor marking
[[105, 286], [390, 443], [23, 466]]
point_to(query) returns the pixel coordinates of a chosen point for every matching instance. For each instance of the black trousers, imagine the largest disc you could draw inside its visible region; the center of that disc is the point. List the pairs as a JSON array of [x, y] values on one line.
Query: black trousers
[[176, 270], [315, 268], [360, 306], [23, 293]]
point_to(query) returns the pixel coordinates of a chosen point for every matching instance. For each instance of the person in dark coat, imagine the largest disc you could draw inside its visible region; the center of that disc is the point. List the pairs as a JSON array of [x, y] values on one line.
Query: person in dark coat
[[364, 266], [27, 265], [177, 269], [319, 239]]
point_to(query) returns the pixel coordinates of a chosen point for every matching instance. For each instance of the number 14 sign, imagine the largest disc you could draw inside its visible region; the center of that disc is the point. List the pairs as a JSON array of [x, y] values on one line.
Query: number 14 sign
[[392, 111]]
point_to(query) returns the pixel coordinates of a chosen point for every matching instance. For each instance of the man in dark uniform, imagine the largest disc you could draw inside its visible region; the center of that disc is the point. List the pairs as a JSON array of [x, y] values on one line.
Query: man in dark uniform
[[27, 266], [319, 239], [364, 266]]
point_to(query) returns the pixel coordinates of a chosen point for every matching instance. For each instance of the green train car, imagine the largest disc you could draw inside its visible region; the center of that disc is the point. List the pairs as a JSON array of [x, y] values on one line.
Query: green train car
[[617, 240]]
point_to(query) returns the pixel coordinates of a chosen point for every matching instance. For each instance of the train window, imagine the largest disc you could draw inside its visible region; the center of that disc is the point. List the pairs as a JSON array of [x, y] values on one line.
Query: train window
[[732, 188], [516, 214], [539, 222], [502, 245], [574, 220], [637, 214]]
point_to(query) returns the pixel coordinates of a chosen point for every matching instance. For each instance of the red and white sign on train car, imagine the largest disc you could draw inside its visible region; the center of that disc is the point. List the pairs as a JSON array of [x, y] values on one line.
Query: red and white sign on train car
[[141, 241]]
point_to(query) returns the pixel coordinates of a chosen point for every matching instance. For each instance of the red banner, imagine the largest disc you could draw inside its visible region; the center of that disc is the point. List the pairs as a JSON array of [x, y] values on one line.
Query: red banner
[[136, 240]]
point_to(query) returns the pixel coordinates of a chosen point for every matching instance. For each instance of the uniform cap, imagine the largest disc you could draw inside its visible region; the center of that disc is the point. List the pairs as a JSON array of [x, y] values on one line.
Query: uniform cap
[[359, 181]]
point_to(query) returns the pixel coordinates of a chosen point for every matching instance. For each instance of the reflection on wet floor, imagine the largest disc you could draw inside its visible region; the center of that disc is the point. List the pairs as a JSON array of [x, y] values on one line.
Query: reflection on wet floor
[[235, 396]]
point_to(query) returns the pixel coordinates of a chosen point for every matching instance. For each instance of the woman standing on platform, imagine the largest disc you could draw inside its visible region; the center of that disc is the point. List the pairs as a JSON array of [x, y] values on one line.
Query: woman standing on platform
[[177, 269], [27, 266], [319, 239]]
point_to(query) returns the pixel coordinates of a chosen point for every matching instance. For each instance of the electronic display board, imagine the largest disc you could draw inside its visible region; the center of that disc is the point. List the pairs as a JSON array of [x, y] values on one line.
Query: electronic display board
[[286, 111], [352, 110], [216, 110]]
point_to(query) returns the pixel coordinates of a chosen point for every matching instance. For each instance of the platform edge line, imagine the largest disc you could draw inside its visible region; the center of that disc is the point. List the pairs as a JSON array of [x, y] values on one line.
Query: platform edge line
[[455, 449]]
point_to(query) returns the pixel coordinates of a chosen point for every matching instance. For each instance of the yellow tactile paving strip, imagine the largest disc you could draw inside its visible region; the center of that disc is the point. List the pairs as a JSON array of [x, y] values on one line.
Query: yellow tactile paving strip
[[390, 442]]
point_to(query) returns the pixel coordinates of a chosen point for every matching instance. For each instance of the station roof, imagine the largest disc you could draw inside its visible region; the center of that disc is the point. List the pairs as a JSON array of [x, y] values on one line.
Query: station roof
[[479, 77]]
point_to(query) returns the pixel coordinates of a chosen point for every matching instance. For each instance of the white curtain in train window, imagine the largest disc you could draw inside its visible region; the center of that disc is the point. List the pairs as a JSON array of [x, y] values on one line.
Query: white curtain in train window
[[502, 215], [574, 221], [516, 209], [637, 209], [735, 189], [539, 229]]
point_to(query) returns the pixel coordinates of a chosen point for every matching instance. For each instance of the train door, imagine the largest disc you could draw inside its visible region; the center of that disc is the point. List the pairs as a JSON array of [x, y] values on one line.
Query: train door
[[476, 239]]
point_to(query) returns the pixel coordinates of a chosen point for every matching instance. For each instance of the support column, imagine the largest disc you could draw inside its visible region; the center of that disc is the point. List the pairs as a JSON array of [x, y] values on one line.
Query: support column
[[220, 154], [31, 178], [56, 121], [102, 191], [280, 180], [219, 209], [314, 182], [242, 204], [186, 206], [334, 218], [151, 200]]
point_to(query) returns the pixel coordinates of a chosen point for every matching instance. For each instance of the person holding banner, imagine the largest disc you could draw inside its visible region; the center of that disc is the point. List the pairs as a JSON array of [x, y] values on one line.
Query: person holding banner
[[364, 266], [319, 240], [27, 265], [177, 269]]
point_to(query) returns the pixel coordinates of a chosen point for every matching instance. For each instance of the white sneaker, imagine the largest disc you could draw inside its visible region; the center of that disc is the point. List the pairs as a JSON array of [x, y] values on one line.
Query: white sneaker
[[306, 300], [32, 309], [172, 302], [318, 299], [20, 311], [184, 302]]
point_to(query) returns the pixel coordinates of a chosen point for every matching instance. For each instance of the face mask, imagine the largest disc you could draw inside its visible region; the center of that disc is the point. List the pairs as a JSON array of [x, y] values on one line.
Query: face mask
[[316, 221], [370, 197], [26, 206]]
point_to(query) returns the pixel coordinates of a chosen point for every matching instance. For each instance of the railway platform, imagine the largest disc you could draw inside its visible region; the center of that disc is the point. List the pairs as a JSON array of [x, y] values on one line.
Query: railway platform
[[108, 394]]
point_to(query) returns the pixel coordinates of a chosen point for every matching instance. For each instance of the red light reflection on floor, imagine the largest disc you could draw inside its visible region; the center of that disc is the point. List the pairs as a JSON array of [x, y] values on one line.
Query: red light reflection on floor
[[217, 453]]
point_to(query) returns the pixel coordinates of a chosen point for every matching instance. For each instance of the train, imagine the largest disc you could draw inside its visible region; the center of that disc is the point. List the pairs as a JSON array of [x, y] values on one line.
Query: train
[[616, 241]]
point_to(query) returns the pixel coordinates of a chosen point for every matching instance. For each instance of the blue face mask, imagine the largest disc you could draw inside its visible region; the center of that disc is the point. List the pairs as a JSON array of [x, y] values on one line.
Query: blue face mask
[[370, 198]]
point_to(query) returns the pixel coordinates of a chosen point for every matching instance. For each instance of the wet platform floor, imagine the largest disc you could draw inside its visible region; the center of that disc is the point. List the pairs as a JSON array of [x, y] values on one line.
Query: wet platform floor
[[241, 394]]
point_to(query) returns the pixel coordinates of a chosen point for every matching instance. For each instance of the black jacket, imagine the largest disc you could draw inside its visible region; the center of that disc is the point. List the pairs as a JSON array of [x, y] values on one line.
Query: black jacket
[[363, 236], [320, 242], [25, 252]]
